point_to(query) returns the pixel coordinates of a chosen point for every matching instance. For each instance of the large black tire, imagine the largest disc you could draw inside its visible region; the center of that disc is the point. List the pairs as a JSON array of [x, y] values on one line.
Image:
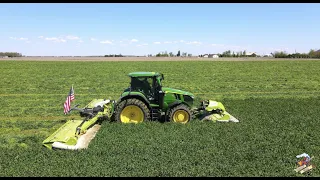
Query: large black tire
[[184, 112], [134, 103]]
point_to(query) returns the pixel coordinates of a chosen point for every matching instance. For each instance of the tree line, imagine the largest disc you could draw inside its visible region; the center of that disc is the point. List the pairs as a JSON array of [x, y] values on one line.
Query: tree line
[[278, 54], [312, 54], [10, 54], [170, 54], [235, 54], [114, 55]]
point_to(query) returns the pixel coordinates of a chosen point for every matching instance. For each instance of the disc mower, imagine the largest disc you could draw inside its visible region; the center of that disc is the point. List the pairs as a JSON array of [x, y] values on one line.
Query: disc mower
[[144, 100]]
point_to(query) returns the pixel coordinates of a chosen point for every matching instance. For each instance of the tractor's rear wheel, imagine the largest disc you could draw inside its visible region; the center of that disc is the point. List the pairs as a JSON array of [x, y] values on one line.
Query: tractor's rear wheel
[[132, 111], [180, 114]]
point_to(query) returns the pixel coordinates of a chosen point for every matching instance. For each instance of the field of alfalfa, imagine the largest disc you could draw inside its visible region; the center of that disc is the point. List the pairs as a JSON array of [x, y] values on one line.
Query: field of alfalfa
[[276, 102]]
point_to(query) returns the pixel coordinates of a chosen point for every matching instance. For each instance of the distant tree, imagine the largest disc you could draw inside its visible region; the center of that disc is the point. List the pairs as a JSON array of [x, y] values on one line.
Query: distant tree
[[280, 54], [314, 54], [11, 54]]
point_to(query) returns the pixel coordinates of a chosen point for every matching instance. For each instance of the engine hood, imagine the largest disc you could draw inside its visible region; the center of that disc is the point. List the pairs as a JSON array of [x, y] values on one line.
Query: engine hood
[[177, 91]]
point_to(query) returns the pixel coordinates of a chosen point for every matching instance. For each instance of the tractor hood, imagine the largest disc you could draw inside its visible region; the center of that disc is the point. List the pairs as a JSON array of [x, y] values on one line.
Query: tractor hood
[[177, 91]]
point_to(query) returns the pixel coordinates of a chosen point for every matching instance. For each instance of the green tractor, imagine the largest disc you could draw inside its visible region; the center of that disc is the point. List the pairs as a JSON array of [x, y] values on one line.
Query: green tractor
[[147, 100], [144, 100]]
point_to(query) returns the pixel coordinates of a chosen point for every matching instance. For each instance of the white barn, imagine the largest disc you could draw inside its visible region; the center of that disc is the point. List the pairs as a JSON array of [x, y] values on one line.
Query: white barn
[[213, 56]]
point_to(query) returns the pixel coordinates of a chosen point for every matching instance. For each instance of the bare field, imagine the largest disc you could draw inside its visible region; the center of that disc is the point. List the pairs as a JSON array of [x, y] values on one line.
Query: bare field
[[142, 59]]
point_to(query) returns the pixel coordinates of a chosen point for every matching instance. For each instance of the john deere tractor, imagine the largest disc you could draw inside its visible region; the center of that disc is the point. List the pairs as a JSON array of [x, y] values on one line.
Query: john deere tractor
[[147, 100], [144, 100]]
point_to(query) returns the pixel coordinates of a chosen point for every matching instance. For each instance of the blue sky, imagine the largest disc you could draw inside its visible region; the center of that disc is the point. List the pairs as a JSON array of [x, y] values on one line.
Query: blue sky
[[140, 29]]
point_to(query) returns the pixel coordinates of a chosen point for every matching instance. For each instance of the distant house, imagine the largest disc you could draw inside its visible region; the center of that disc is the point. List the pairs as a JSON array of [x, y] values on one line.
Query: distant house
[[267, 55], [213, 56], [250, 53], [4, 57]]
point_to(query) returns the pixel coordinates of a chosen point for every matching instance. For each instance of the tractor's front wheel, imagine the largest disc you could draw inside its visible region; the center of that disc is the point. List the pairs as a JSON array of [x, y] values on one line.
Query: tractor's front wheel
[[180, 114], [132, 111]]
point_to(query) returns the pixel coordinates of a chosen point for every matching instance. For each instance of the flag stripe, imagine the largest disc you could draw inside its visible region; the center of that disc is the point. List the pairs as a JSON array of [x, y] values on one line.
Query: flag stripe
[[68, 101]]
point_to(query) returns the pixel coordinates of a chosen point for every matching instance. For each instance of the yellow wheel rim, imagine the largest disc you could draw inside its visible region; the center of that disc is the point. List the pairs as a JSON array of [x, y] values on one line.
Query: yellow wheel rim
[[131, 114], [181, 116]]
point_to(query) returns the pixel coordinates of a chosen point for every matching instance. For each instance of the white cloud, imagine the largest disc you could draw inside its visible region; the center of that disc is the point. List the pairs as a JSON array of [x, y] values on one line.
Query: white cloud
[[93, 39], [194, 42], [72, 37], [144, 44], [134, 40], [157, 43], [51, 39], [182, 41], [106, 42], [22, 38], [55, 39], [62, 40]]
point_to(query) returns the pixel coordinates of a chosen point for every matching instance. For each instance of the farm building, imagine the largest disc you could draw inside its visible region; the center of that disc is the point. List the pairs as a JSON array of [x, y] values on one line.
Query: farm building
[[267, 55], [3, 56], [210, 56], [213, 56], [250, 53]]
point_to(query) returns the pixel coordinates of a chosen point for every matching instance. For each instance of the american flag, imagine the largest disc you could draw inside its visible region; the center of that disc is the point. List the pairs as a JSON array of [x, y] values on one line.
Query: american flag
[[69, 99]]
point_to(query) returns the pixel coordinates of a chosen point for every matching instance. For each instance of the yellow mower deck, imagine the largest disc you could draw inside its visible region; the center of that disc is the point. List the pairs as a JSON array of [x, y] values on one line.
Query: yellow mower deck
[[65, 137], [65, 134]]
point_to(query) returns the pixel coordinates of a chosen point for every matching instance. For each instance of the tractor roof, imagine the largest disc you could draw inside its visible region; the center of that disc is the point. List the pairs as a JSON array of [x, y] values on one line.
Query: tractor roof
[[143, 74]]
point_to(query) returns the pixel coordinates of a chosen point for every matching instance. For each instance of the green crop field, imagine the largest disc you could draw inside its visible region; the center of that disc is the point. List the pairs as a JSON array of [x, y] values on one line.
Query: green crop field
[[277, 103]]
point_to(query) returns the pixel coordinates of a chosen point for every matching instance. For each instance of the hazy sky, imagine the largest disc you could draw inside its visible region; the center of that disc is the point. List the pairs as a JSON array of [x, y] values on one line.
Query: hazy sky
[[140, 29]]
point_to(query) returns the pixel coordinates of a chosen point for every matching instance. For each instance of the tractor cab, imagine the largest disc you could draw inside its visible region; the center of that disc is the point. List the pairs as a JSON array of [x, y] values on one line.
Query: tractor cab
[[147, 83]]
